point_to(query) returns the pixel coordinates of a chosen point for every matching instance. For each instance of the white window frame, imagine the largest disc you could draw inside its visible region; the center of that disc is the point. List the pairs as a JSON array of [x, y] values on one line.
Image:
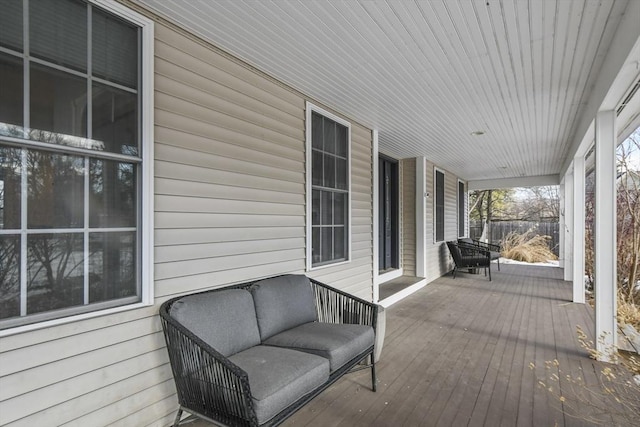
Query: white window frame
[[435, 211], [311, 108], [146, 26]]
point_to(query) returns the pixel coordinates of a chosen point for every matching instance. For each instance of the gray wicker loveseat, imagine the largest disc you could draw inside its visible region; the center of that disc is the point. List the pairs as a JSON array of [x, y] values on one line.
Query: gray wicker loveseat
[[254, 353]]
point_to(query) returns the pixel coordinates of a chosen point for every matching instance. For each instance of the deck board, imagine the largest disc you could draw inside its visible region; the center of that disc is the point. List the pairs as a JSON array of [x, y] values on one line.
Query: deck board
[[457, 353]]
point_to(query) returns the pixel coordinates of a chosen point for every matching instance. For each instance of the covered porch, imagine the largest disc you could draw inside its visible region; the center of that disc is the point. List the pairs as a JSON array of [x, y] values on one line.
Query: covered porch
[[457, 352]]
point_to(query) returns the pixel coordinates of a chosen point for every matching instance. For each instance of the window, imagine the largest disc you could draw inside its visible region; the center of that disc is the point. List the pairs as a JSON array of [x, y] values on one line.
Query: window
[[461, 209], [74, 166], [328, 191], [439, 204]]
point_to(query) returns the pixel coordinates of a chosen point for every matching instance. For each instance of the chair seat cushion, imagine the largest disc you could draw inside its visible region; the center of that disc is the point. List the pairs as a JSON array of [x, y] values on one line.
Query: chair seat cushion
[[280, 376], [338, 343], [494, 255]]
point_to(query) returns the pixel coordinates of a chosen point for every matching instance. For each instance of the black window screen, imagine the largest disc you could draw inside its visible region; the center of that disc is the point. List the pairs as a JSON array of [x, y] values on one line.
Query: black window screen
[[439, 212], [461, 209]]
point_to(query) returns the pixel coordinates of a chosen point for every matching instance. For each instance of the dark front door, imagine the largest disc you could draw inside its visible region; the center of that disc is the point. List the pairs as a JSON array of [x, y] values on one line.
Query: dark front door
[[388, 253]]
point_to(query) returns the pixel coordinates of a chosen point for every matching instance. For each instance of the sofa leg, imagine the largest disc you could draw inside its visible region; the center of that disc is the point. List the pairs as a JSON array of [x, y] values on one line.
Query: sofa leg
[[489, 273], [373, 373], [176, 422], [498, 264]]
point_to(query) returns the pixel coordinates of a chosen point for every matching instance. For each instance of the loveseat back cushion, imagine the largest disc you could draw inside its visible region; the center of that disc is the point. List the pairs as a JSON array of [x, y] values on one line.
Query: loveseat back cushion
[[282, 303], [226, 319]]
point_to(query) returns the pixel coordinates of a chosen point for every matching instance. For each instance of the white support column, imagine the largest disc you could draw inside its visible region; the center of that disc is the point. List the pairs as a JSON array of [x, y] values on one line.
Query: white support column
[[562, 225], [567, 226], [578, 229], [605, 235], [421, 220], [376, 218]]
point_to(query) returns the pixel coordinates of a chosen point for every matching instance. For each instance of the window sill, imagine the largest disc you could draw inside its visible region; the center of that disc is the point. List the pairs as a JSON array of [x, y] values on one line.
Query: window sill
[[70, 319]]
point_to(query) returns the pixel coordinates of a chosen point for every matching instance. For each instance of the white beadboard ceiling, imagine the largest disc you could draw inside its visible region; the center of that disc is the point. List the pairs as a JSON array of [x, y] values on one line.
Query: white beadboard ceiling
[[427, 74]]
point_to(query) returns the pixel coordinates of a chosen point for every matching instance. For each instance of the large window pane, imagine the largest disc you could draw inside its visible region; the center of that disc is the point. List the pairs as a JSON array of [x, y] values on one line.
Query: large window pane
[[10, 188], [69, 221], [315, 245], [316, 131], [339, 243], [316, 168], [112, 266], [115, 49], [341, 140], [326, 238], [330, 136], [115, 119], [11, 96], [326, 208], [112, 194], [56, 190], [9, 276], [11, 24], [329, 171], [339, 208], [315, 207], [58, 32], [55, 277], [58, 106], [342, 180]]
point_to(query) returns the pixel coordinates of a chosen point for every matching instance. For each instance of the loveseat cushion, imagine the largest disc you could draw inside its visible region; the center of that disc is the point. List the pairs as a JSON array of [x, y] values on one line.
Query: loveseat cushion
[[338, 343], [280, 376], [282, 303], [225, 320]]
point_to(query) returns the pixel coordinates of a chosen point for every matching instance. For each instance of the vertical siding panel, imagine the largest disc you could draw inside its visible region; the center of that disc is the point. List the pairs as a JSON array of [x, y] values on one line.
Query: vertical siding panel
[[230, 206]]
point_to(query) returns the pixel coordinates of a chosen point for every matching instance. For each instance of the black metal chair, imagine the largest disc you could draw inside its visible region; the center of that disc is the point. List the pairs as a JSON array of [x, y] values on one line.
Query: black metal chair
[[469, 257], [493, 249]]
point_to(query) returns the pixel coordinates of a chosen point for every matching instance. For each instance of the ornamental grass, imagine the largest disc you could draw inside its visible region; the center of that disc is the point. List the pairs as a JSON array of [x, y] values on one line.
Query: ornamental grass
[[527, 247]]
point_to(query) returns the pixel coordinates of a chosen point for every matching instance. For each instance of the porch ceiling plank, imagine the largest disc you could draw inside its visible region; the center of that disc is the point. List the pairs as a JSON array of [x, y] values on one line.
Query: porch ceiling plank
[[427, 74]]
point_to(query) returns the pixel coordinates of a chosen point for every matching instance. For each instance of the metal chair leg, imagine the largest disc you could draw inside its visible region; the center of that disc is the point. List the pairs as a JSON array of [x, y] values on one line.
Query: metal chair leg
[[373, 373], [176, 422]]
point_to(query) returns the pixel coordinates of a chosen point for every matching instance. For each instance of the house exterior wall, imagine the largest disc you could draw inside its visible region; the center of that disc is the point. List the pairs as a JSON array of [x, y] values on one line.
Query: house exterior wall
[[438, 261], [229, 206]]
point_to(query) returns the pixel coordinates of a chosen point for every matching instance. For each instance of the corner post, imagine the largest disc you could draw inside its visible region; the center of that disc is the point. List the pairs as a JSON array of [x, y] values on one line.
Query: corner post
[[421, 220], [578, 229], [376, 217], [605, 236], [567, 226]]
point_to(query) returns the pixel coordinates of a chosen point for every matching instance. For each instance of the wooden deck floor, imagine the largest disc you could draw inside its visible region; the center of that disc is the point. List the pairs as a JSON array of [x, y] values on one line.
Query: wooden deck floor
[[457, 353]]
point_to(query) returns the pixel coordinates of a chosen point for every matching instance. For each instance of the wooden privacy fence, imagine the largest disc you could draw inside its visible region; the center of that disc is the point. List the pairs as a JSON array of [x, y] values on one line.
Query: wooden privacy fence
[[499, 229]]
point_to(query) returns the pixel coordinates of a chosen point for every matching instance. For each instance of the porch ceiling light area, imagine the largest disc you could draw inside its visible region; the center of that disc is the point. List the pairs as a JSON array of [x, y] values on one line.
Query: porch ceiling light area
[[415, 70]]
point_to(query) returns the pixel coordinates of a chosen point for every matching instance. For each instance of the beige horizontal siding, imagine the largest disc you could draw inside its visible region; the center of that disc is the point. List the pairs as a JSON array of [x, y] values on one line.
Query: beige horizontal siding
[[230, 206]]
